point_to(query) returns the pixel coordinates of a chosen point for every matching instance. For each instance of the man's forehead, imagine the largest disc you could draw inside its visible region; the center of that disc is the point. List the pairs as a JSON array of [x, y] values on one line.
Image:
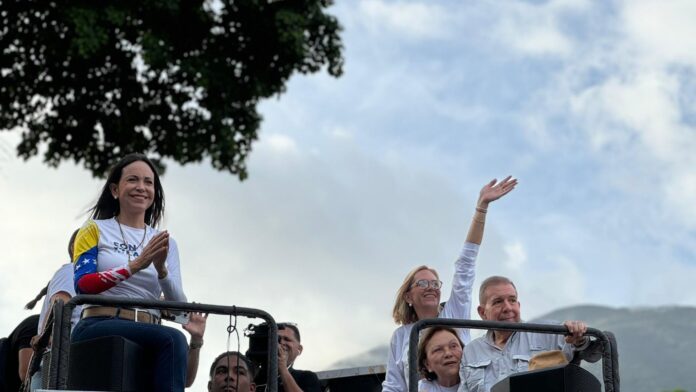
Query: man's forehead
[[288, 332], [234, 361], [501, 290]]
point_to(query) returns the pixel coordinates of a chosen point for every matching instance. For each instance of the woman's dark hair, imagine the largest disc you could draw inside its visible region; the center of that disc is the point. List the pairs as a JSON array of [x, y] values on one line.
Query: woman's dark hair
[[107, 207], [32, 303], [423, 355]]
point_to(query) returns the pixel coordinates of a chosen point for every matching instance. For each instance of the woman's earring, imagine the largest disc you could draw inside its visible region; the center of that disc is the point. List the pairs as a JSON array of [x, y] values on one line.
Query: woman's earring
[[410, 305]]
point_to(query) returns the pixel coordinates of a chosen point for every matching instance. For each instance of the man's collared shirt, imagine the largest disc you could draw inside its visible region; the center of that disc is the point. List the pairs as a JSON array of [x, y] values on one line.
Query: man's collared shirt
[[484, 363]]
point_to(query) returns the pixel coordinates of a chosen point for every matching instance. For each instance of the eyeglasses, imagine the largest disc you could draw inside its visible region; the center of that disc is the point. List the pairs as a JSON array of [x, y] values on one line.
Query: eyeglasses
[[425, 283]]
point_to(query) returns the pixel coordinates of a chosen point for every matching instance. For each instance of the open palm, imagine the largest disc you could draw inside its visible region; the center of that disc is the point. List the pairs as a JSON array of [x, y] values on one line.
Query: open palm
[[196, 325], [494, 190]]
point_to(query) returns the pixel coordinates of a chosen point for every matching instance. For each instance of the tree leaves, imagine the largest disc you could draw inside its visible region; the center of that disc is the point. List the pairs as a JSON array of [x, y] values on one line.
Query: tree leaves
[[173, 79]]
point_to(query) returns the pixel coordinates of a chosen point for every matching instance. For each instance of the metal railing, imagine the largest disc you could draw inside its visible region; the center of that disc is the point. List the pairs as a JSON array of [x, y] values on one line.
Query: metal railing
[[60, 352], [610, 371]]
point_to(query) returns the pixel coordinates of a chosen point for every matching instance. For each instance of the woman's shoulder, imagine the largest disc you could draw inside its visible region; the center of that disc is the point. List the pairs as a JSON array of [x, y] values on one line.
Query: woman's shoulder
[[433, 386], [90, 230], [99, 223], [401, 332]]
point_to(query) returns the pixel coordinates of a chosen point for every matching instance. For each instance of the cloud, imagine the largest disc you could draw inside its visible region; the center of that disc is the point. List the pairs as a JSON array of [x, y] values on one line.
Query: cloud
[[278, 143], [516, 256], [533, 36], [620, 96], [341, 133], [407, 19], [355, 180], [537, 29], [659, 30], [323, 240]]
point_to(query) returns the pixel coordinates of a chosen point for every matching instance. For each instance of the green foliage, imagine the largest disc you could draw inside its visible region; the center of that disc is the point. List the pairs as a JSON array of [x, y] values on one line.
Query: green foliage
[[92, 81]]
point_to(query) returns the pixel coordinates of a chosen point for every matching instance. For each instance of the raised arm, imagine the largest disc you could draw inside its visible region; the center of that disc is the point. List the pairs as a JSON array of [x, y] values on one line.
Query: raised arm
[[490, 192], [196, 327], [459, 304]]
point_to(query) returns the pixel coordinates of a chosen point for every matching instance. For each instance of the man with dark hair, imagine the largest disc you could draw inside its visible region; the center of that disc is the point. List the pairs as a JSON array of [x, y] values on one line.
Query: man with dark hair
[[17, 353], [497, 354], [289, 348], [231, 371]]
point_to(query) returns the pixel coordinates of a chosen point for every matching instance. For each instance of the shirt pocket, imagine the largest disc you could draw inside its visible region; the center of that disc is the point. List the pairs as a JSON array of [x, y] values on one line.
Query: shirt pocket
[[520, 362], [535, 349], [475, 375]]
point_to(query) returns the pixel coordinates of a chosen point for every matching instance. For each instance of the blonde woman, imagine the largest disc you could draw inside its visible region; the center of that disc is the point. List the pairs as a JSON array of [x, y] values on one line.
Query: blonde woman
[[419, 295]]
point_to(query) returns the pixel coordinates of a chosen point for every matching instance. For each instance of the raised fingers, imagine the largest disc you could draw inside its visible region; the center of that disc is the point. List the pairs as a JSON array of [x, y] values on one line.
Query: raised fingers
[[157, 240]]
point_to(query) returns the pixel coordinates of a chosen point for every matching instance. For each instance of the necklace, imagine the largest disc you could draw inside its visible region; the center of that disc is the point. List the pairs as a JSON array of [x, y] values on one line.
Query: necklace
[[126, 242]]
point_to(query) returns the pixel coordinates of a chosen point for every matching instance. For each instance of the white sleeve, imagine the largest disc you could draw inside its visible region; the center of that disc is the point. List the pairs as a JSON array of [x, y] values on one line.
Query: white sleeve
[[394, 380], [458, 305], [171, 285], [63, 280]]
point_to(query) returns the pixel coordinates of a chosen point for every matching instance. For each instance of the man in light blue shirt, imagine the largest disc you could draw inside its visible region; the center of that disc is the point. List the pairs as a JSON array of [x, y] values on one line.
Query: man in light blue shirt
[[498, 354]]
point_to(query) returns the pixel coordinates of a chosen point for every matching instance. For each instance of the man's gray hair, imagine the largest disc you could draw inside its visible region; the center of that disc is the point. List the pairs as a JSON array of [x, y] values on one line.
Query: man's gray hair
[[492, 281]]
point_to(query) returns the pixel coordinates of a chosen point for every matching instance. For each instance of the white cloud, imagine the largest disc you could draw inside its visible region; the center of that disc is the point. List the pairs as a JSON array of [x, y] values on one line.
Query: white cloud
[[526, 36], [516, 256], [279, 143], [536, 29], [671, 280], [326, 237], [680, 190], [661, 30], [622, 91], [634, 114], [341, 133], [559, 284], [407, 19], [644, 106]]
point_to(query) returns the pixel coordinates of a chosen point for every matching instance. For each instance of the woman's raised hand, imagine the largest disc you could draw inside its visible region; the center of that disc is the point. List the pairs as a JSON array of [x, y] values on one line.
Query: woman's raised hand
[[155, 252], [161, 256], [495, 190]]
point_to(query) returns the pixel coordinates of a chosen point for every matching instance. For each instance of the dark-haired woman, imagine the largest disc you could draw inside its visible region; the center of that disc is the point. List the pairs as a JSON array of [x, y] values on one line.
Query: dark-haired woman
[[120, 253], [419, 295], [439, 356]]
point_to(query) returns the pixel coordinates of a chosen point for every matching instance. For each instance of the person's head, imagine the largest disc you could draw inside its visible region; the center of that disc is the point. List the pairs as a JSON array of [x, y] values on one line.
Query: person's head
[[71, 244], [439, 354], [418, 294], [498, 300], [289, 337], [231, 371], [133, 184]]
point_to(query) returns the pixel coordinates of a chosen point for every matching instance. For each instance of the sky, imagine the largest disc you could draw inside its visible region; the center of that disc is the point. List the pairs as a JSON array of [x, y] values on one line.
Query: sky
[[356, 180]]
